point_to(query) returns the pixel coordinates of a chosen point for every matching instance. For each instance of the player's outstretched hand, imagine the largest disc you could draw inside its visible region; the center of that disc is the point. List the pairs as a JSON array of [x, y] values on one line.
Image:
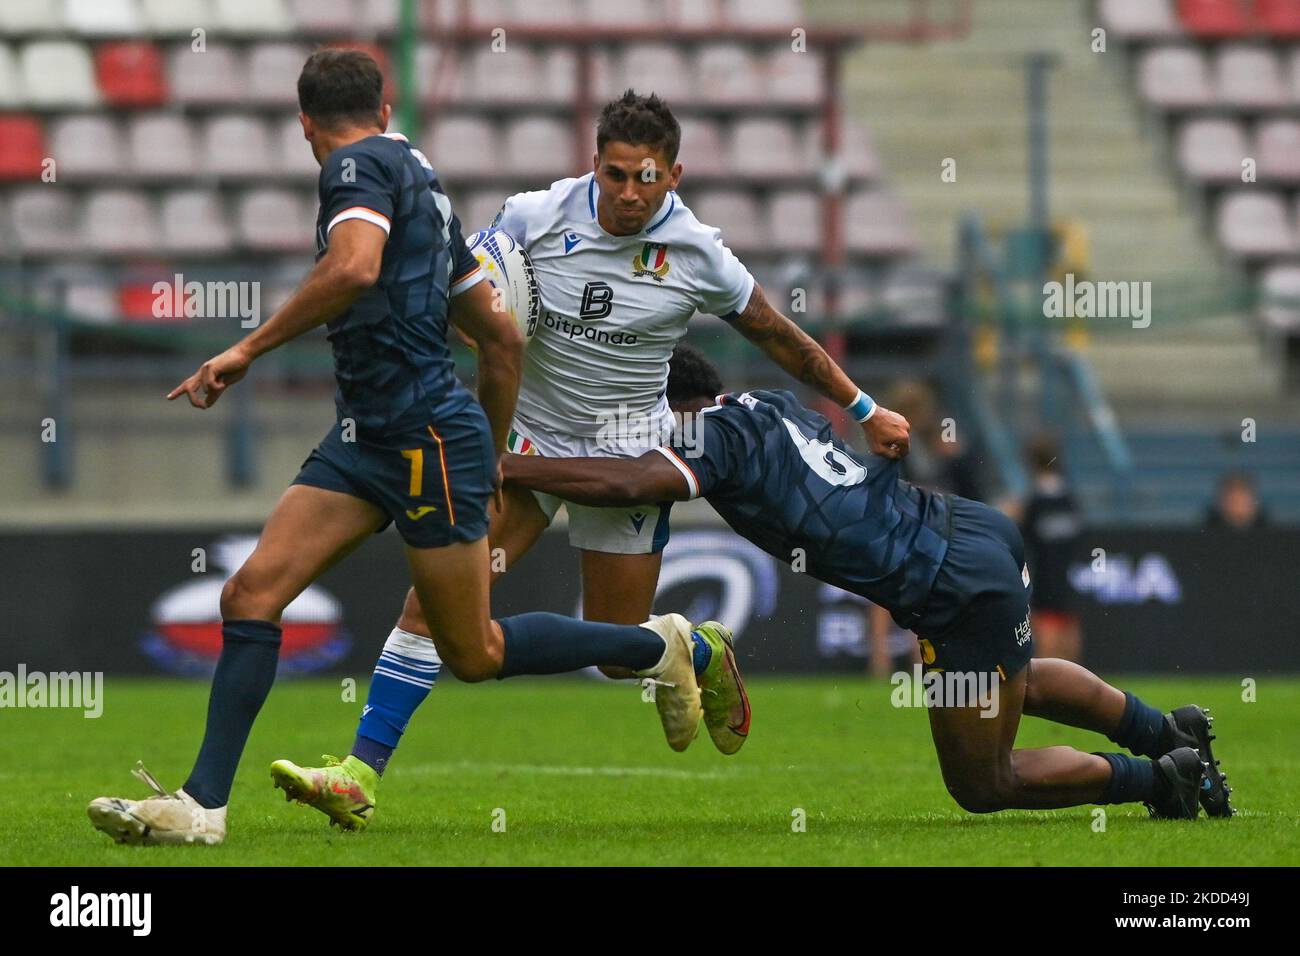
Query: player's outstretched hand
[[888, 433], [214, 376]]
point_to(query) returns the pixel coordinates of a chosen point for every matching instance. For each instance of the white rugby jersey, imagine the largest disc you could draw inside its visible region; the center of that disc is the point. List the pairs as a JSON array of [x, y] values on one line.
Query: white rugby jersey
[[613, 307]]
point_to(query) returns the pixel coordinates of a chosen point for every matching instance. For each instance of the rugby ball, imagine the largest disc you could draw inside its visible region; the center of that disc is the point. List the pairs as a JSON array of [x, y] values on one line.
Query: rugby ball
[[510, 271]]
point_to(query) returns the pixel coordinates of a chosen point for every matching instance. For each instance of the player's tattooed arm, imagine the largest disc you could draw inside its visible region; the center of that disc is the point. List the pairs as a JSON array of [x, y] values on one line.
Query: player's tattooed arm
[[799, 354], [599, 481], [793, 349], [349, 267]]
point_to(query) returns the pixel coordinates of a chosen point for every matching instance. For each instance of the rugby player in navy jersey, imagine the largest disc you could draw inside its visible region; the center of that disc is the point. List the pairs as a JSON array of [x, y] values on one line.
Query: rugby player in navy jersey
[[946, 567], [410, 447]]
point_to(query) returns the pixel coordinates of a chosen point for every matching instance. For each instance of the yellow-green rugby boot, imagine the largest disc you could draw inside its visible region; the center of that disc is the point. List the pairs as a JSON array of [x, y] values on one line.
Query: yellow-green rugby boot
[[722, 692], [343, 790]]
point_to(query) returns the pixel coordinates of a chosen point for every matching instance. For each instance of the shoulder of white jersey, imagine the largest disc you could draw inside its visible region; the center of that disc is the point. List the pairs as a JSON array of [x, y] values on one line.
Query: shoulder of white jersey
[[544, 210]]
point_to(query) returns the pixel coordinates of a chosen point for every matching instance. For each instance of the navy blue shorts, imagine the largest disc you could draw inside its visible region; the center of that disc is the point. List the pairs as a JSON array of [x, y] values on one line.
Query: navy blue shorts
[[433, 483], [976, 618]]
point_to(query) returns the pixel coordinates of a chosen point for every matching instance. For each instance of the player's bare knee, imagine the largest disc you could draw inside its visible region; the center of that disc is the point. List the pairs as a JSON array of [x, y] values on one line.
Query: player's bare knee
[[240, 599], [473, 667], [976, 796]]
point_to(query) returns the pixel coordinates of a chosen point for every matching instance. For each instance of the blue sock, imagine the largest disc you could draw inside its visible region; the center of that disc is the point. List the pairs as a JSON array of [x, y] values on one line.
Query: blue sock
[[702, 653], [1140, 729], [1131, 779], [406, 671], [250, 651], [543, 643]]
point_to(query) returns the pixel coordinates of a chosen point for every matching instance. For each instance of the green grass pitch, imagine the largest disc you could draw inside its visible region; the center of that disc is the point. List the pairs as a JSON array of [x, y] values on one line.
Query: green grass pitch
[[583, 775]]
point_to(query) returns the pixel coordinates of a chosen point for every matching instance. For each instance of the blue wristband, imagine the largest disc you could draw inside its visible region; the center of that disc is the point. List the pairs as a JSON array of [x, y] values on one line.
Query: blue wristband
[[863, 407]]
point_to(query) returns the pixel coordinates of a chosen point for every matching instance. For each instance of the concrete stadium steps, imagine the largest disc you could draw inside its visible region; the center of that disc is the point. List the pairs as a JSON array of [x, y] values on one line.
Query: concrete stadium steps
[[966, 100]]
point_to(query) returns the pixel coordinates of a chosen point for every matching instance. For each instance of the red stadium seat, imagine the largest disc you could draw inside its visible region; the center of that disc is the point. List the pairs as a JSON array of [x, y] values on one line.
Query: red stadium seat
[[1215, 18], [24, 149], [130, 73], [1280, 18]]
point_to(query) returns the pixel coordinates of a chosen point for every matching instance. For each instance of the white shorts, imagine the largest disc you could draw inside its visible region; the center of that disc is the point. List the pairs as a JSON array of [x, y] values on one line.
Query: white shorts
[[639, 529]]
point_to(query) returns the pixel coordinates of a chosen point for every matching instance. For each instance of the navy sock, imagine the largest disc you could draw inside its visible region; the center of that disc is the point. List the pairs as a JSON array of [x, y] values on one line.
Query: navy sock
[[373, 753], [1141, 728], [250, 651], [1131, 779], [543, 643], [702, 653]]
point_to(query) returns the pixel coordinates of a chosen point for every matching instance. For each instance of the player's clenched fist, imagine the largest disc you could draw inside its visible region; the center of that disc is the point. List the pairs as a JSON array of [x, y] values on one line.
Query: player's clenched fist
[[887, 433], [214, 376]]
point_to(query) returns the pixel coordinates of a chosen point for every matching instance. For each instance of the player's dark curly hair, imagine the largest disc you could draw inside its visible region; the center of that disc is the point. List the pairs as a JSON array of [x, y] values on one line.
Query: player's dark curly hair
[[691, 375], [640, 120], [339, 87]]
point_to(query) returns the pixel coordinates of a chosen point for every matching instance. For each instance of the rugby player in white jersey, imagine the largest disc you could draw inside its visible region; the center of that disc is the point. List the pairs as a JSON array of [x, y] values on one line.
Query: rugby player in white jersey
[[621, 265]]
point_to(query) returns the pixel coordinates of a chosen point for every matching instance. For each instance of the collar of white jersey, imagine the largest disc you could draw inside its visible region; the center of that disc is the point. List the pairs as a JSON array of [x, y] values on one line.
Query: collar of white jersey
[[670, 202]]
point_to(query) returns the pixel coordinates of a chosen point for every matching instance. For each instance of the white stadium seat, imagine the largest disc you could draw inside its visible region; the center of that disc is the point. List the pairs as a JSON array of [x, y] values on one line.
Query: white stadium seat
[[765, 13], [463, 144], [57, 73], [162, 144], [276, 220], [1249, 77], [1175, 77], [18, 17], [794, 220], [766, 147], [46, 220], [726, 73], [736, 214], [174, 17], [658, 68], [216, 75], [292, 152], [794, 77], [876, 223], [1256, 225], [1212, 150], [193, 222], [235, 145], [1278, 150], [1140, 19], [326, 17], [702, 149], [120, 221], [252, 16], [119, 17], [539, 147], [87, 145], [273, 70]]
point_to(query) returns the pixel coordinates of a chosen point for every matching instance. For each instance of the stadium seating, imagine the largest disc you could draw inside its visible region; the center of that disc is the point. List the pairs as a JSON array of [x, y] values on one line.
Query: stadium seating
[[1175, 77], [1278, 18], [88, 146], [1140, 19], [24, 147], [163, 112], [1256, 226], [1278, 151], [1249, 78], [1212, 150], [130, 73], [1215, 18]]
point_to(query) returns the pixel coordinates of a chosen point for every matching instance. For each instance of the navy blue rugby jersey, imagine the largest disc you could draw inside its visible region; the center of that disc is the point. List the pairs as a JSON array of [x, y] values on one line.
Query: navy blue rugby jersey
[[394, 369], [776, 472]]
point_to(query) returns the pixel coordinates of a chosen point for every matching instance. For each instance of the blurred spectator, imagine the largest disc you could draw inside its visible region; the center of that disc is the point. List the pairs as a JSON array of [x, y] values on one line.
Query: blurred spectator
[[1051, 526], [938, 458], [1236, 507]]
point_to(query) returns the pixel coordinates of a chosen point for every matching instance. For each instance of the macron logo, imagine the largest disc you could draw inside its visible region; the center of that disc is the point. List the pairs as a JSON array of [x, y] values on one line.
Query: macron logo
[[571, 239], [102, 909]]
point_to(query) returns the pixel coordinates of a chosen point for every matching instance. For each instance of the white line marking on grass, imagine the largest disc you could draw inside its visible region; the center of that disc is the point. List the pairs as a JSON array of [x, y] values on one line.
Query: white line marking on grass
[[462, 766]]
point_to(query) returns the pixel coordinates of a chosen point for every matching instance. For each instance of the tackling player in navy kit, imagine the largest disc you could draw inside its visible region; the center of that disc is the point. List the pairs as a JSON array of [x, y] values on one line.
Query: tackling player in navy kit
[[946, 567], [411, 447]]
